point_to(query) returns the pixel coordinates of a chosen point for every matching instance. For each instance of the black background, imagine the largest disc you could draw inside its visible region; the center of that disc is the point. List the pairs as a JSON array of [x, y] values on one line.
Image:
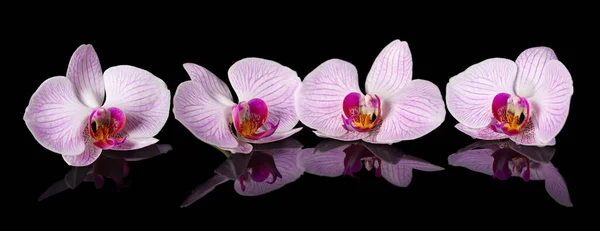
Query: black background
[[440, 50]]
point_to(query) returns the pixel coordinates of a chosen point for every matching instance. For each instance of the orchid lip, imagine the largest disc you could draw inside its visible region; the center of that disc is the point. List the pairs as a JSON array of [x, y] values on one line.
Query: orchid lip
[[249, 118], [361, 113], [104, 126], [511, 114]]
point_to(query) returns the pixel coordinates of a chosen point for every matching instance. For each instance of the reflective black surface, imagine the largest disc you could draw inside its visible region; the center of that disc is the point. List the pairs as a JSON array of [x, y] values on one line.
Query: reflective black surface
[[504, 159], [111, 165], [314, 173]]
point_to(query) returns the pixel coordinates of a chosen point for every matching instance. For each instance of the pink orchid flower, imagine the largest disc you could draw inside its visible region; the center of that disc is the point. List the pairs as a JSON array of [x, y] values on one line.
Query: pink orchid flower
[[88, 111], [265, 111], [395, 107], [526, 100]]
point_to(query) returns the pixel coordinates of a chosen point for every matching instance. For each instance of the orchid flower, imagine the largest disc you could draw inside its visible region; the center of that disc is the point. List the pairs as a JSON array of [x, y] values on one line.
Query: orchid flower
[[506, 159], [88, 111], [526, 100], [395, 107], [343, 158], [267, 168], [265, 111]]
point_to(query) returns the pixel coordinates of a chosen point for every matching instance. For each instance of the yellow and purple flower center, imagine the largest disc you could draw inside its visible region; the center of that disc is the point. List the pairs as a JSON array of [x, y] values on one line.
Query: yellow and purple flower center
[[511, 113], [260, 167], [361, 113], [104, 126], [250, 117]]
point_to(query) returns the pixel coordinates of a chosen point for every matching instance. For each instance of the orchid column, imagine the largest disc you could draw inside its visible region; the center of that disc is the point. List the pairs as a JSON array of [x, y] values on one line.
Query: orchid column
[[88, 111]]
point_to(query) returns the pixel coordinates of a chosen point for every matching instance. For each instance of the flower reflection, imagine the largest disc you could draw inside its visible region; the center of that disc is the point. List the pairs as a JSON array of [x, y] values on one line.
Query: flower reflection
[[111, 164], [268, 168], [333, 158], [503, 159], [260, 167]]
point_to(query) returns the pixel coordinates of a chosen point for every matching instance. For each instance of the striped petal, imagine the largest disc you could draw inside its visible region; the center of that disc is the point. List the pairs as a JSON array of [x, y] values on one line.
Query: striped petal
[[56, 118], [485, 133], [391, 71], [242, 147], [531, 64], [272, 138], [204, 107], [320, 98], [203, 111], [417, 110], [469, 95], [143, 98], [271, 82], [135, 143], [552, 100], [85, 73], [85, 158], [347, 136]]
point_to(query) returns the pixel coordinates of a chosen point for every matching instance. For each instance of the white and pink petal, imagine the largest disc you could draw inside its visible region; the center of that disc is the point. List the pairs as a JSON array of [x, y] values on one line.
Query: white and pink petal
[[88, 156], [469, 94], [143, 97], [531, 65], [272, 138], [552, 100], [485, 133], [391, 71], [414, 112], [348, 136], [320, 98], [85, 73], [271, 82], [243, 147], [135, 143], [206, 114], [56, 118], [208, 80]]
